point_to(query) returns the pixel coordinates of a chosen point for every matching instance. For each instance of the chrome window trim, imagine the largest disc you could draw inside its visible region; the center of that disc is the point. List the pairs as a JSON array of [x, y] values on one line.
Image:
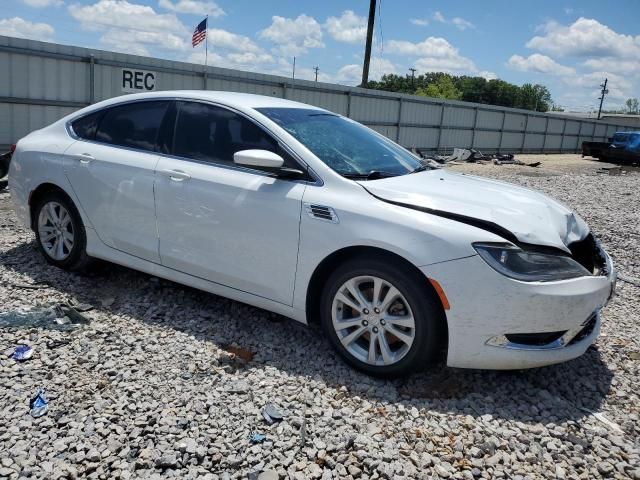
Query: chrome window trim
[[317, 180]]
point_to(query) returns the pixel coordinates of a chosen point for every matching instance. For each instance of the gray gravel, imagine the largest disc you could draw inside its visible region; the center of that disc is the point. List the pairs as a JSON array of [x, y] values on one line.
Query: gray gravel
[[169, 381]]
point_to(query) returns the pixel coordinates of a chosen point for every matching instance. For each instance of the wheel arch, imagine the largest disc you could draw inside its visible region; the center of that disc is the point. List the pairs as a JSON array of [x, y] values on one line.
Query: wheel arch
[[38, 193], [330, 263]]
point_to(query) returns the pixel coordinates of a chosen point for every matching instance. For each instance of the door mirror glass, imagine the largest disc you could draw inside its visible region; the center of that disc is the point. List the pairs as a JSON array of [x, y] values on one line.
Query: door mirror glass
[[258, 158]]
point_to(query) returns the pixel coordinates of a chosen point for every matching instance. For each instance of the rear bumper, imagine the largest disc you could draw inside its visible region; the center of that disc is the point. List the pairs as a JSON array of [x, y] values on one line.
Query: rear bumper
[[493, 320]]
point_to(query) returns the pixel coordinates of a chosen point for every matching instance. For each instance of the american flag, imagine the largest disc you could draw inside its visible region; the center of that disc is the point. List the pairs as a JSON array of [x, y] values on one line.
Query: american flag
[[200, 33]]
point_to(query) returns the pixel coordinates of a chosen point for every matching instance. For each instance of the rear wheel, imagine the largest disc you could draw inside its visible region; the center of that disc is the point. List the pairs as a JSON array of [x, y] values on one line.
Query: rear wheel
[[381, 318], [60, 233]]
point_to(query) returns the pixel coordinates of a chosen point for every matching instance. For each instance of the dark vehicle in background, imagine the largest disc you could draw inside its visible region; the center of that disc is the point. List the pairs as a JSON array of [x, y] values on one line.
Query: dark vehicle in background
[[623, 147], [5, 159]]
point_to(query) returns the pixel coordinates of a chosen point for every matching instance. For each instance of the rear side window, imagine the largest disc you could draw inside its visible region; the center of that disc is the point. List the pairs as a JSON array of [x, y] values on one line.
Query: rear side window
[[87, 126], [132, 125], [210, 133]]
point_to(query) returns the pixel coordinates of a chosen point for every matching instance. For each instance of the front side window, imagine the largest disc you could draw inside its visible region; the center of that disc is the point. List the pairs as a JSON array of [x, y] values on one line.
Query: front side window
[[213, 134], [132, 125], [344, 145]]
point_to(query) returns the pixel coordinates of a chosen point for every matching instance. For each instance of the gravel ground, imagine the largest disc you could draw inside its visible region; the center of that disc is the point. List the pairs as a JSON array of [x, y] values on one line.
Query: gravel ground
[[167, 381]]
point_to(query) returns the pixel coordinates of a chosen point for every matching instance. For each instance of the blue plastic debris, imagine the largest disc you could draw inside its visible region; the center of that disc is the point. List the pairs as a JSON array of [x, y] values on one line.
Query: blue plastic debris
[[39, 404], [22, 352], [257, 437]]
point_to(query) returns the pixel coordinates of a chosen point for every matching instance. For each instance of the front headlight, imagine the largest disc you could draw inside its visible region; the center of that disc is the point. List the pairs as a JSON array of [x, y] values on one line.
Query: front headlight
[[516, 263]]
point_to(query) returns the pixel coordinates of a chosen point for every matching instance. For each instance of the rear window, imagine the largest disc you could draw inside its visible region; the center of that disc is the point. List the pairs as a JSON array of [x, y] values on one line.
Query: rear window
[[87, 126], [133, 125]]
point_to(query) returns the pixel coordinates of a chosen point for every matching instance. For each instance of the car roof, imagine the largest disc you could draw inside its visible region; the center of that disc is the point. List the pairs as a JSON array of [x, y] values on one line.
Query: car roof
[[232, 99]]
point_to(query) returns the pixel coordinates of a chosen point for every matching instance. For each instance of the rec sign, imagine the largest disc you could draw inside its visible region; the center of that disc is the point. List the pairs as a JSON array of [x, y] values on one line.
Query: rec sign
[[138, 80]]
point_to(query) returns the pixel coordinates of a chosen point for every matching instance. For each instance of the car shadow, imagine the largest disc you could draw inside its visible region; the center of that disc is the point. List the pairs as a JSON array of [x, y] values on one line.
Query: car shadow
[[556, 393]]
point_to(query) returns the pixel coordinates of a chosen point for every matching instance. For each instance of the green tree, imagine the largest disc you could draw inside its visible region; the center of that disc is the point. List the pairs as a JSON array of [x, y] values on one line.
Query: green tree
[[469, 89], [443, 87], [632, 105]]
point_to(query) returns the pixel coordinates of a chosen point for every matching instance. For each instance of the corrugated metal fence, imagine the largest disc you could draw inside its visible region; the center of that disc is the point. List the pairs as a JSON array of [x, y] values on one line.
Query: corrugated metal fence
[[41, 82]]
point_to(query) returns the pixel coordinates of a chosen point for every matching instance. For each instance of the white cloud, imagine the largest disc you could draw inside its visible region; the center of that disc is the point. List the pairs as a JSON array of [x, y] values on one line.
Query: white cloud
[[124, 15], [193, 6], [461, 23], [538, 63], [348, 27], [487, 75], [18, 27], [293, 36], [435, 54], [136, 42], [585, 37], [613, 64], [421, 22], [219, 38], [450, 65], [458, 22], [352, 74], [438, 17], [132, 28], [42, 3], [430, 47]]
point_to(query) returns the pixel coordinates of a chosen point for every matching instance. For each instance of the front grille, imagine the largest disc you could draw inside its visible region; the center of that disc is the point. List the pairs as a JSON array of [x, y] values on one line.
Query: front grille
[[534, 339], [587, 252]]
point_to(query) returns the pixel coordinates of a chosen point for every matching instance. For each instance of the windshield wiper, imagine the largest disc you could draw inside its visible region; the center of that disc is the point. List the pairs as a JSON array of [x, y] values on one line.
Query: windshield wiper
[[372, 175], [421, 168]]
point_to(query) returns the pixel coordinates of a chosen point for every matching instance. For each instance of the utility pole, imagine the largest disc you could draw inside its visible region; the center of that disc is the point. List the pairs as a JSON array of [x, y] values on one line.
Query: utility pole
[[603, 92], [316, 68], [413, 76], [367, 48]]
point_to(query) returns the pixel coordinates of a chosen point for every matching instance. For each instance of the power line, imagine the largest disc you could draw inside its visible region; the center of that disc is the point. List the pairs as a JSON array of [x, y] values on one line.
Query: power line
[[413, 75], [603, 92], [316, 68]]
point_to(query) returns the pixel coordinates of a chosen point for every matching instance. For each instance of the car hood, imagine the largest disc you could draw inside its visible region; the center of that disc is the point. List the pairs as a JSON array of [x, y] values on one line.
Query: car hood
[[513, 212]]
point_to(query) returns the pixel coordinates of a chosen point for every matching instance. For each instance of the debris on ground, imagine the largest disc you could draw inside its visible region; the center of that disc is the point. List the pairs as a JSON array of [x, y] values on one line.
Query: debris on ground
[[32, 286], [272, 414], [469, 155], [256, 437], [629, 280], [22, 353], [107, 302], [241, 353], [60, 316], [39, 404]]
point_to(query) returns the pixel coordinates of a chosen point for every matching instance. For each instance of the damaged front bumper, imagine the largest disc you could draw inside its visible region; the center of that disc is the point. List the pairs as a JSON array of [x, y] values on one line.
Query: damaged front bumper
[[495, 322]]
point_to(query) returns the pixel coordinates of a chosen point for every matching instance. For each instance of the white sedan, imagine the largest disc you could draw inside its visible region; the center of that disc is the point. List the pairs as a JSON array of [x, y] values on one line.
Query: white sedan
[[311, 215]]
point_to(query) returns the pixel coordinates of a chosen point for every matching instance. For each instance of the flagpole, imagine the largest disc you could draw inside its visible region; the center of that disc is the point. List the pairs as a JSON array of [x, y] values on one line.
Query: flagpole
[[206, 41]]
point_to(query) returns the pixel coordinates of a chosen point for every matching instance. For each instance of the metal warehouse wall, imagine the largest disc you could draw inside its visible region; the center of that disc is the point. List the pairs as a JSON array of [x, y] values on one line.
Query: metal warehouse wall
[[41, 82]]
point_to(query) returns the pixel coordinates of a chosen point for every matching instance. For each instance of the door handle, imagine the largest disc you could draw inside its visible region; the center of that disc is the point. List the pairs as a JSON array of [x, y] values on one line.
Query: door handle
[[84, 157], [176, 175]]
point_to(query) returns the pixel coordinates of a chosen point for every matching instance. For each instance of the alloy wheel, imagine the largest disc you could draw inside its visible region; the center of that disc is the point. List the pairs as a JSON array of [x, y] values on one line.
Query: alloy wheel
[[55, 230], [373, 320]]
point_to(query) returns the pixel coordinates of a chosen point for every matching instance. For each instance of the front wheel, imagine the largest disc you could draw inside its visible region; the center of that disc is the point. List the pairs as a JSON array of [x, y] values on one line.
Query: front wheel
[[381, 317]]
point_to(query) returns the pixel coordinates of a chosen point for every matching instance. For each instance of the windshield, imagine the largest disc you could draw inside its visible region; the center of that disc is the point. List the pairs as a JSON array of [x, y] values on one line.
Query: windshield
[[620, 138], [344, 145]]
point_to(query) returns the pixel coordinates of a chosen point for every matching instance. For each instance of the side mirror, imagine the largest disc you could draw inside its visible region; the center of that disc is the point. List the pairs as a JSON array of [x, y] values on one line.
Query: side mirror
[[258, 158]]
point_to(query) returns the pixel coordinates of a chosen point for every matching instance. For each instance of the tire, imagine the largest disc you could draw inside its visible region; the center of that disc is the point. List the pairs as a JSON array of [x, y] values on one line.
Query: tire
[[72, 256], [415, 300]]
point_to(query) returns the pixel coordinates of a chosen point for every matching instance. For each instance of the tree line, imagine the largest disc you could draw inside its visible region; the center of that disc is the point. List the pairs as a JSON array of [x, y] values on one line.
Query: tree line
[[469, 89]]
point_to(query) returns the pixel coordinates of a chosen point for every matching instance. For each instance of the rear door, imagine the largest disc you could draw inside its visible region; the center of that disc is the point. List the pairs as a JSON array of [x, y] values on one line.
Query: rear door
[[111, 169]]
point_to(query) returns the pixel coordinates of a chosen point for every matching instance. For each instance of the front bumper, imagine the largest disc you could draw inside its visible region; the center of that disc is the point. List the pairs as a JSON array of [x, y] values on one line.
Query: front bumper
[[490, 314]]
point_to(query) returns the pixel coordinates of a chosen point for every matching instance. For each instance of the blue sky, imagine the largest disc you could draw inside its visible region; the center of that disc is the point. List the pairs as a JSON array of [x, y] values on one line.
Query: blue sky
[[570, 46]]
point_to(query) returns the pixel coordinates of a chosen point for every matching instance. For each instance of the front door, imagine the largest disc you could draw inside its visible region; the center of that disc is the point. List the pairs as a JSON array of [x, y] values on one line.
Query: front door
[[111, 169], [234, 226]]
